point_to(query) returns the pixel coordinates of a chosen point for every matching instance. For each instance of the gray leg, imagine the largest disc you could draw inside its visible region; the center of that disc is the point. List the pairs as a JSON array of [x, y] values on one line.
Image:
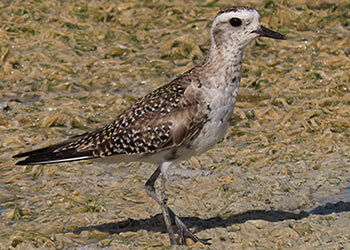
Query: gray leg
[[163, 203], [168, 214], [165, 210]]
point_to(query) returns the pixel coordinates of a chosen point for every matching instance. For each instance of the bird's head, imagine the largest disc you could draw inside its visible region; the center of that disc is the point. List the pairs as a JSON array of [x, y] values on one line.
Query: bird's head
[[237, 26]]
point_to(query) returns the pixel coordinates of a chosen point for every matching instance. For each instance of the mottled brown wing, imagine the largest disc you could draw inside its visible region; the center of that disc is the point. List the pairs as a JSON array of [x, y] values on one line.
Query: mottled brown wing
[[167, 117], [164, 118]]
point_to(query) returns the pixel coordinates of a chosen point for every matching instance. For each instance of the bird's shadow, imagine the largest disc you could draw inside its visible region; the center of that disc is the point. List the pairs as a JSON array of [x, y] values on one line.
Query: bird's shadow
[[156, 224]]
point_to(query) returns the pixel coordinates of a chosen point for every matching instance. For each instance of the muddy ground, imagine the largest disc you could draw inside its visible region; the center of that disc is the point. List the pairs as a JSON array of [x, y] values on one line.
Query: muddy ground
[[279, 180]]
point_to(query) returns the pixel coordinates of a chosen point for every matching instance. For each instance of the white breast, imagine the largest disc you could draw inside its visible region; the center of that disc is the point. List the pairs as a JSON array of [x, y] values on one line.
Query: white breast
[[221, 102]]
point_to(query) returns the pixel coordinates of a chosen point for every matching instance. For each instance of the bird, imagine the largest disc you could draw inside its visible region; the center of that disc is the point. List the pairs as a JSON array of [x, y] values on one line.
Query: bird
[[183, 118]]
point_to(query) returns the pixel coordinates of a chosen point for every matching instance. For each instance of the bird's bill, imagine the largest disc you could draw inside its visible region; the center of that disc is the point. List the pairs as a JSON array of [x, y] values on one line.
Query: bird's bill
[[263, 31]]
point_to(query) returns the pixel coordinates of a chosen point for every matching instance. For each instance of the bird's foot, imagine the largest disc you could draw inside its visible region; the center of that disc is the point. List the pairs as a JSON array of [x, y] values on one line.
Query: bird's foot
[[184, 233]]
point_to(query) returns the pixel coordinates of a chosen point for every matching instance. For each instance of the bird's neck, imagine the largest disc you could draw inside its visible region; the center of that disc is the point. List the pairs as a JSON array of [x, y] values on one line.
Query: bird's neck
[[224, 64]]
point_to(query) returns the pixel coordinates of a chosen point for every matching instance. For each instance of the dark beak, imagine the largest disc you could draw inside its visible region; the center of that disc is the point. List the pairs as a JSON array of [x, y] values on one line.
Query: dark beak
[[270, 33]]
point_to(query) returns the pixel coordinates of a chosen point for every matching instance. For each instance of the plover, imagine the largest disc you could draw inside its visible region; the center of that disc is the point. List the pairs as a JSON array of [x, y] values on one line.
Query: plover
[[183, 118]]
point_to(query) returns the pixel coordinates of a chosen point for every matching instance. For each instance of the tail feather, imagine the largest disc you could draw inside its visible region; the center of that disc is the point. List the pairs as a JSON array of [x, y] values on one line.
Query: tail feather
[[41, 150], [52, 154]]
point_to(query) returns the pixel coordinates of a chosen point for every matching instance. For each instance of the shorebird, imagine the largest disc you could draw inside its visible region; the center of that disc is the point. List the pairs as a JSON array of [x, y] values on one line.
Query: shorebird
[[181, 119]]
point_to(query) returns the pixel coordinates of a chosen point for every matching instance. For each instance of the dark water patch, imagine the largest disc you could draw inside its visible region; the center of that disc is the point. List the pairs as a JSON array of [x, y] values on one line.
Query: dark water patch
[[342, 204], [330, 208]]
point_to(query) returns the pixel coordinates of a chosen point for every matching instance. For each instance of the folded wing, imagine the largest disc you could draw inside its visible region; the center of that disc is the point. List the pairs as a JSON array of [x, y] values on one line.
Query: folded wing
[[165, 118]]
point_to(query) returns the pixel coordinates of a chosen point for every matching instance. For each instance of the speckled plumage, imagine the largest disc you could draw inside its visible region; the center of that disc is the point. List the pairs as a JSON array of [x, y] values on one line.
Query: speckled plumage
[[183, 118], [161, 120]]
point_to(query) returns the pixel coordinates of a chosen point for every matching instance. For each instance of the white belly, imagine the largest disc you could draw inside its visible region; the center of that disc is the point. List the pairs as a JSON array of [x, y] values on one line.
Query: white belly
[[214, 130]]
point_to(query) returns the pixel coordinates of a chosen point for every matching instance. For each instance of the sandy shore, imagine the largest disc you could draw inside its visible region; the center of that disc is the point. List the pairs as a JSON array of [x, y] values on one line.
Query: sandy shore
[[279, 180]]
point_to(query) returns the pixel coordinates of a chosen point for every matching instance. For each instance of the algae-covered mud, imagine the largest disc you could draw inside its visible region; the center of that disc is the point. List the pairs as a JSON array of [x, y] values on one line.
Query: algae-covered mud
[[280, 179]]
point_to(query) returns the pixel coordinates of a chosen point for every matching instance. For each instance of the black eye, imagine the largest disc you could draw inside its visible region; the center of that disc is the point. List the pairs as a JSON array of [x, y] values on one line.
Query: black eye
[[235, 22]]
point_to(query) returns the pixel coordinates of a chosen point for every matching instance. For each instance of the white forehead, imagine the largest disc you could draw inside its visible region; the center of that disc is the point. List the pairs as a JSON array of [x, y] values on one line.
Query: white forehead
[[244, 14]]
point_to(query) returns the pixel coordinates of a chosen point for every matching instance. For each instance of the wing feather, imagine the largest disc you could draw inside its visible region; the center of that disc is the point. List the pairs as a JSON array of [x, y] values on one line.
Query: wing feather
[[165, 118]]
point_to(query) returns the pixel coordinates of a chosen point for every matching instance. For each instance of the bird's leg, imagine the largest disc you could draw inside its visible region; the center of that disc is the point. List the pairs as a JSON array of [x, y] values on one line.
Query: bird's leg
[[163, 204], [183, 230], [165, 210], [169, 216]]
